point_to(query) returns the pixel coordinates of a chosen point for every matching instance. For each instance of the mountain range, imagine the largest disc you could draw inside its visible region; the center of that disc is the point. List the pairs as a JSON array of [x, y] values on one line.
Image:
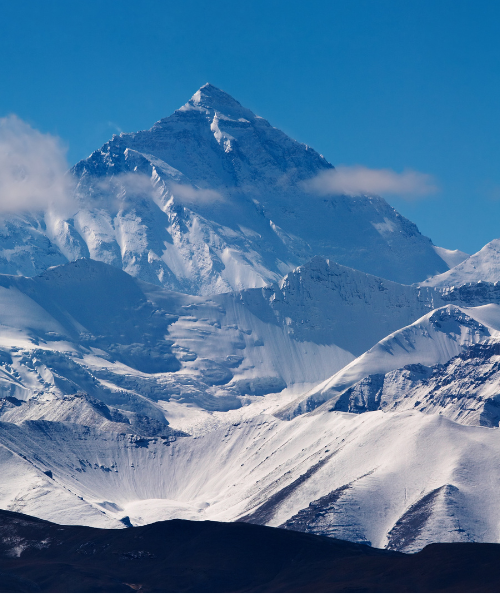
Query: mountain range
[[211, 335]]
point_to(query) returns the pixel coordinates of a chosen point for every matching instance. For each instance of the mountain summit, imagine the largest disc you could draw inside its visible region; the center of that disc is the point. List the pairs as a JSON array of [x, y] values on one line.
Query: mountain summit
[[213, 99], [213, 199]]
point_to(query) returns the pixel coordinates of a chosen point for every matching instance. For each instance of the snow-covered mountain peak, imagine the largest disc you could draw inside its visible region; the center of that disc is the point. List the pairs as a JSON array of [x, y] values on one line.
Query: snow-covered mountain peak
[[101, 369], [211, 199], [482, 266], [451, 257], [211, 99], [432, 339]]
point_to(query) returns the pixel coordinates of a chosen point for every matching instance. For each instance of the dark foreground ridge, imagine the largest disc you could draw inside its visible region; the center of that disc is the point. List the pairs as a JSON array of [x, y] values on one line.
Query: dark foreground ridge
[[206, 556]]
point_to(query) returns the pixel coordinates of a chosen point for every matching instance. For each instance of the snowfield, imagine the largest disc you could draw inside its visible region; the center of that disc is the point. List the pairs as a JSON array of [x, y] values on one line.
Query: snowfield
[[397, 480], [217, 424]]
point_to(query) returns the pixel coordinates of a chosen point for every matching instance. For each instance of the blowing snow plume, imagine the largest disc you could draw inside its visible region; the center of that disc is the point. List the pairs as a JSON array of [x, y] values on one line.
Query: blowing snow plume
[[359, 180], [33, 170]]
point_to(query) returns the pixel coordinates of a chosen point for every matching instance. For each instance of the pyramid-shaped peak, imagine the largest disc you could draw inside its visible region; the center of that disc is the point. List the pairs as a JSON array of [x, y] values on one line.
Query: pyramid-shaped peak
[[211, 98]]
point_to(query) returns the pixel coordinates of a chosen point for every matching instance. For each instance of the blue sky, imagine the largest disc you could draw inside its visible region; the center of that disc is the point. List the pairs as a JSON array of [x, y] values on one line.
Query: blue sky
[[380, 83]]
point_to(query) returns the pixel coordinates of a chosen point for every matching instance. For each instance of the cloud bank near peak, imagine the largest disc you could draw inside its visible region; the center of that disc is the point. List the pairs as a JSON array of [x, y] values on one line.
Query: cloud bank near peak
[[195, 195], [33, 170], [359, 180]]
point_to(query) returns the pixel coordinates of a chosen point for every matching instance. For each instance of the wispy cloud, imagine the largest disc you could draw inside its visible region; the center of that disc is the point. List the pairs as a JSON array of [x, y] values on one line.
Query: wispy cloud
[[132, 183], [123, 188], [115, 126], [190, 194], [34, 177], [357, 180], [117, 192], [33, 170]]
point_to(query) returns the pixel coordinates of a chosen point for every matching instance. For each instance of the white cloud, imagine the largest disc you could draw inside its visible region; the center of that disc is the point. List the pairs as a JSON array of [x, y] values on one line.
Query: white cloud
[[357, 180], [33, 170], [117, 192], [131, 183], [134, 184], [189, 193]]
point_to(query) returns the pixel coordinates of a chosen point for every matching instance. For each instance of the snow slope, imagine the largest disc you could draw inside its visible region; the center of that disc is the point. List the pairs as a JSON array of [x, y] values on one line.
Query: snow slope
[[89, 327], [482, 266], [432, 340], [26, 247], [156, 360], [214, 199], [465, 389], [451, 257], [81, 409], [397, 480]]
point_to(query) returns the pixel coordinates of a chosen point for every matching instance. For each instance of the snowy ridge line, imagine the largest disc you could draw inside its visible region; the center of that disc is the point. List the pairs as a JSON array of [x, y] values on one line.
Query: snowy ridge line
[[82, 409], [478, 268], [88, 327], [433, 339], [464, 389]]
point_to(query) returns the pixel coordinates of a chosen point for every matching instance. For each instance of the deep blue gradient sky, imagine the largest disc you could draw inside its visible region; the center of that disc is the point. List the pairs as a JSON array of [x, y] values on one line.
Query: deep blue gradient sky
[[381, 83]]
